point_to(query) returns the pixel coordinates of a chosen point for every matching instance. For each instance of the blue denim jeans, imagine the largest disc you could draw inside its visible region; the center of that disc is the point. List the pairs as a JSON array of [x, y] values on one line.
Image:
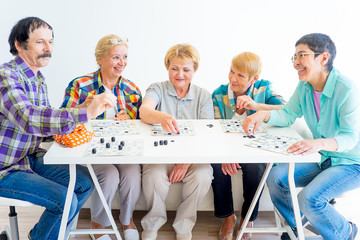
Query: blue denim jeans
[[320, 186], [47, 188], [223, 199]]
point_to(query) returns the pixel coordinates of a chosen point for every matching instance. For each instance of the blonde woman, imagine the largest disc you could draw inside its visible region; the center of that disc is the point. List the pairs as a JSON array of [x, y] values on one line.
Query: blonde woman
[[111, 55], [245, 94], [164, 103]]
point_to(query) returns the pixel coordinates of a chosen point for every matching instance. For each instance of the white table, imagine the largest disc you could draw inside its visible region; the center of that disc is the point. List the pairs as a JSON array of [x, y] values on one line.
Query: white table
[[209, 145]]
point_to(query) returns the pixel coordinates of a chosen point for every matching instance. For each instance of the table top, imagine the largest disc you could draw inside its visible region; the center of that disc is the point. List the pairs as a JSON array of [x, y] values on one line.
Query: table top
[[208, 145]]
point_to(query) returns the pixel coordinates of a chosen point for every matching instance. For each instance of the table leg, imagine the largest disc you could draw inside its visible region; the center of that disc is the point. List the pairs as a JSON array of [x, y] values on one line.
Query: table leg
[[294, 199], [69, 196], [103, 200], [253, 203]]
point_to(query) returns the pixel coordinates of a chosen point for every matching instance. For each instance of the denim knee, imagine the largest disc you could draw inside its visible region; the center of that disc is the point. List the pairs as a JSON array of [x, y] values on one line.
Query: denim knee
[[308, 201], [84, 177], [271, 181]]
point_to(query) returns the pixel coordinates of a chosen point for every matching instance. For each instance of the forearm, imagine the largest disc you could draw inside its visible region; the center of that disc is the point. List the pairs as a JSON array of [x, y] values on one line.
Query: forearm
[[151, 116], [53, 121], [268, 107]]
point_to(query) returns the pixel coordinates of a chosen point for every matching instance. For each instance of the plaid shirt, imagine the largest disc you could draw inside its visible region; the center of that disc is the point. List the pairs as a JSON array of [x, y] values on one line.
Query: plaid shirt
[[26, 116], [127, 93], [224, 99]]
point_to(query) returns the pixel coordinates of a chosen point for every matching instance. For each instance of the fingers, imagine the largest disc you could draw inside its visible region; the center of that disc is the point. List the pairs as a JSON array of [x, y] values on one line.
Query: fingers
[[176, 175], [255, 119], [256, 126], [172, 176], [230, 168], [101, 103], [121, 116], [240, 102], [107, 100], [246, 125], [89, 100], [245, 102], [300, 148], [170, 125], [176, 126], [110, 100]]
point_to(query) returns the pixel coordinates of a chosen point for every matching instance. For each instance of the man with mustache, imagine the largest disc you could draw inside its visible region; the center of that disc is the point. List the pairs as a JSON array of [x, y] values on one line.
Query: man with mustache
[[26, 118]]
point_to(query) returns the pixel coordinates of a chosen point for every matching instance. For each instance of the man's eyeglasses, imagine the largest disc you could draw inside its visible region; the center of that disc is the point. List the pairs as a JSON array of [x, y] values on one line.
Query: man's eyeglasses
[[115, 41], [301, 56]]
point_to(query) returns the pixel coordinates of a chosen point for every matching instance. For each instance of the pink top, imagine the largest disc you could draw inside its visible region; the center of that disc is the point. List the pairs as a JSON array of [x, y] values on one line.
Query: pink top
[[317, 106]]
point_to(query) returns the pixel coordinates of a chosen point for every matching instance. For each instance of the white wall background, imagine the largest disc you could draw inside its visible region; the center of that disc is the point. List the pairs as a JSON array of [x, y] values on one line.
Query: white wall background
[[218, 29]]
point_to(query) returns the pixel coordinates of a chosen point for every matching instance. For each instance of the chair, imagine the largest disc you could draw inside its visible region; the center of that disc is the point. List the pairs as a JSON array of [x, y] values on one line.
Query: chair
[[12, 233]]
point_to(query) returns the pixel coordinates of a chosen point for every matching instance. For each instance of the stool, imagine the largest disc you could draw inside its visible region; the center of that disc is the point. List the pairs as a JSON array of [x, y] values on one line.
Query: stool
[[352, 194], [12, 233]]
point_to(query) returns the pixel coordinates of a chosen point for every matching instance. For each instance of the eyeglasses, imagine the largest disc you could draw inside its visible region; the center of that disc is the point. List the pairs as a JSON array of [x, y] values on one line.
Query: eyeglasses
[[301, 56], [114, 41]]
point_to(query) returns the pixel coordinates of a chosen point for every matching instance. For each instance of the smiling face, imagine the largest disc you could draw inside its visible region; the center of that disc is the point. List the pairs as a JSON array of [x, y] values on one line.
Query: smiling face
[[240, 82], [308, 65], [181, 72], [37, 51], [114, 62]]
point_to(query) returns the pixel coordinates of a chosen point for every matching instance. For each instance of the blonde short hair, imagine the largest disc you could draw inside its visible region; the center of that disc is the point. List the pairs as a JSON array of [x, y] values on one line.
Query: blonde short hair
[[106, 43], [247, 62], [182, 51]]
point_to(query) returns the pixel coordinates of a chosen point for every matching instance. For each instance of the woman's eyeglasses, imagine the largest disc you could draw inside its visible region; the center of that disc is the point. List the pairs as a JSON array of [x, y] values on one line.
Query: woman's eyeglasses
[[301, 56]]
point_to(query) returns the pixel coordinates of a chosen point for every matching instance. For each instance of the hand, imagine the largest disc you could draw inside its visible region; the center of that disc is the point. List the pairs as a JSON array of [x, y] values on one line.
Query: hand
[[87, 102], [230, 168], [306, 147], [100, 104], [247, 103], [255, 119], [178, 172], [121, 116], [169, 124]]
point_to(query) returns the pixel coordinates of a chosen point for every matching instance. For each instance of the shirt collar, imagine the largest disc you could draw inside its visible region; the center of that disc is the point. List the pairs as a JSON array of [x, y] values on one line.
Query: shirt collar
[[97, 78], [189, 96], [231, 94], [329, 87], [330, 83], [27, 71]]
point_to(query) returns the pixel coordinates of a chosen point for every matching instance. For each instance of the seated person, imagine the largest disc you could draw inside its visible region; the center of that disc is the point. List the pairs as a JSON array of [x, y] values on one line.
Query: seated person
[[329, 103], [164, 103], [242, 96], [26, 118], [111, 55]]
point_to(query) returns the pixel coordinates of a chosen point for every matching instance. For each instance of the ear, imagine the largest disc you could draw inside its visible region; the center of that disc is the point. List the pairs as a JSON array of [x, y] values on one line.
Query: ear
[[18, 46], [254, 79], [325, 56], [99, 61]]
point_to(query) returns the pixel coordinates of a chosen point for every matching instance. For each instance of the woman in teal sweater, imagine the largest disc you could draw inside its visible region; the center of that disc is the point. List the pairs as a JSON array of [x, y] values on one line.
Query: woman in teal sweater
[[242, 96]]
